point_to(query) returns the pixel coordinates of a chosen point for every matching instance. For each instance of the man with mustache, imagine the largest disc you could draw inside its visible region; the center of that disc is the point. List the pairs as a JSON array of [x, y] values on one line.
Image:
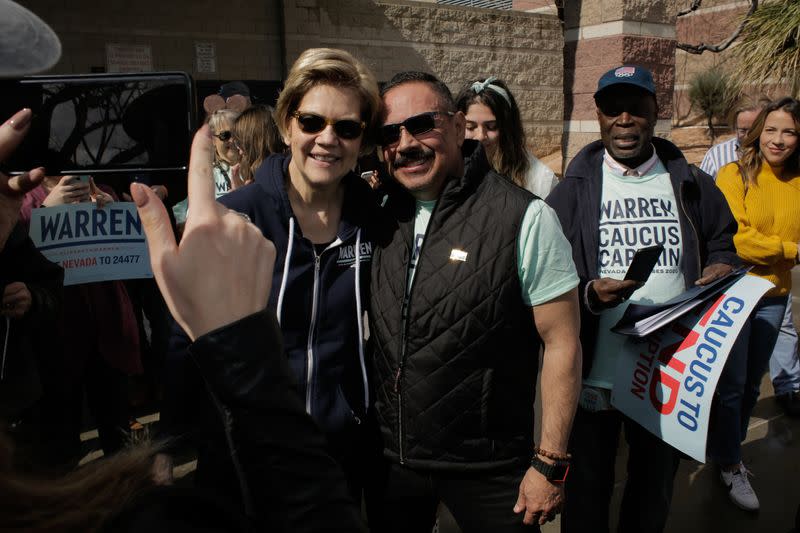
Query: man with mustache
[[472, 276], [628, 191]]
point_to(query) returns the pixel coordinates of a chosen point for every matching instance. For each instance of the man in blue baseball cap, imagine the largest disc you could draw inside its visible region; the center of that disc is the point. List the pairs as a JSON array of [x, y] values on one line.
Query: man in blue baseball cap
[[624, 192]]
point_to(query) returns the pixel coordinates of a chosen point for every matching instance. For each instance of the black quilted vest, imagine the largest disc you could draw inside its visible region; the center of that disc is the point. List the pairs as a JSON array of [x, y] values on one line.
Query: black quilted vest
[[455, 382]]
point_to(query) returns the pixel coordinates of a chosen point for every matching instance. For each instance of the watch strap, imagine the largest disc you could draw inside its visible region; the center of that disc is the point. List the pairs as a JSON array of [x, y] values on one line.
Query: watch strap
[[554, 473]]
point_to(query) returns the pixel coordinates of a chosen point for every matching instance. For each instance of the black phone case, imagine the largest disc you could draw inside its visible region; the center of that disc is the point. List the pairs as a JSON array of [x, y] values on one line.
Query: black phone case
[[643, 263]]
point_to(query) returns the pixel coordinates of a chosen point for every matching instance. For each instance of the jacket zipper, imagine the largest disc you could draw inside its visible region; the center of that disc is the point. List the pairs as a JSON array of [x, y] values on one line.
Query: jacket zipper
[[312, 327], [696, 235]]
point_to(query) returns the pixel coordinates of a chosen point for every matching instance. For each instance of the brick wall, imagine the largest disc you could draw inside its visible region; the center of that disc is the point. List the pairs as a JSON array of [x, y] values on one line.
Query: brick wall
[[711, 24]]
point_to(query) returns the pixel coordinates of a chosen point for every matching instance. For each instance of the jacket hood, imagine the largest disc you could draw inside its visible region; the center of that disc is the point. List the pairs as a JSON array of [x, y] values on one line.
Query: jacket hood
[[591, 156], [359, 199]]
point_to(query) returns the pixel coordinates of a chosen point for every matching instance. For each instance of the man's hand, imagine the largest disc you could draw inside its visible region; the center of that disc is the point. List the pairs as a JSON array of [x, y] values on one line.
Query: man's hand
[[16, 300], [540, 499], [712, 272], [12, 190], [605, 293], [194, 277]]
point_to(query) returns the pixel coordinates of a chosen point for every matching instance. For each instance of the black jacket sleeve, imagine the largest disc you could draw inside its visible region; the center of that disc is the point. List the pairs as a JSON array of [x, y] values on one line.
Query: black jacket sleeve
[[717, 223], [288, 481]]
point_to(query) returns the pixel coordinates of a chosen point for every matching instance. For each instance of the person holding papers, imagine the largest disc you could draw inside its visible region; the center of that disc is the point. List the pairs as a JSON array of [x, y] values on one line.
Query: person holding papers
[[627, 192], [763, 191]]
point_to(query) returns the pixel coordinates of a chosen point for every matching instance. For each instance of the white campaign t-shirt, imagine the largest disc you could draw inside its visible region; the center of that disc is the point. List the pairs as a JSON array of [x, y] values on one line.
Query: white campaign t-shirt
[[635, 212]]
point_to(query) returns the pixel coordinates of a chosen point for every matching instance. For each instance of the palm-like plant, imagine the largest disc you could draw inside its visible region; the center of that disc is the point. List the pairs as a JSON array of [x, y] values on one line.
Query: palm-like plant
[[769, 49]]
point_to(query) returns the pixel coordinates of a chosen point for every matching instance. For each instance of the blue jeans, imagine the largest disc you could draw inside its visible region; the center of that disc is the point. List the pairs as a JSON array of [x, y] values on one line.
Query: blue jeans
[[738, 387], [784, 366]]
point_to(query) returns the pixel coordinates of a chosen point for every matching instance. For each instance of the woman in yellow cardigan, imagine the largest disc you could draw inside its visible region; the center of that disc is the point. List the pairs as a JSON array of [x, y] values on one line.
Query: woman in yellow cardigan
[[763, 191]]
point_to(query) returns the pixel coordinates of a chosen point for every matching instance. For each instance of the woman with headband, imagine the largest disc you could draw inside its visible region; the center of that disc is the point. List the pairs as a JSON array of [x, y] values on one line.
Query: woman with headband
[[493, 119]]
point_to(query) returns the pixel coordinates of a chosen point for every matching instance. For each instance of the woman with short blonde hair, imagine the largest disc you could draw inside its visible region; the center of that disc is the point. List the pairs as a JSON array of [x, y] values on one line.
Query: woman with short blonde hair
[[319, 214], [329, 66]]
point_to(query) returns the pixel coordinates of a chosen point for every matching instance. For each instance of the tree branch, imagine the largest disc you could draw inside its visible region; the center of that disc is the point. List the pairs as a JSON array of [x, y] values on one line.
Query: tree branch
[[716, 48], [693, 7]]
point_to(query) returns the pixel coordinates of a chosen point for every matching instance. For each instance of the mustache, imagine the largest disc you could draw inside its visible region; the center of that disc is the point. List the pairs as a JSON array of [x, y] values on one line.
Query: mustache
[[414, 154]]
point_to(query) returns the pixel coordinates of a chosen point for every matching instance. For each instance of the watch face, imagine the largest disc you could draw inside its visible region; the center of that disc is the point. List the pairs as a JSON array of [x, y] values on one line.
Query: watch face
[[559, 474]]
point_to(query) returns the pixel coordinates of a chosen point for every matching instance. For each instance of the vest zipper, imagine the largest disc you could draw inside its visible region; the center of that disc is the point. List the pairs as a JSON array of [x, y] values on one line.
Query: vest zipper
[[311, 328], [398, 377]]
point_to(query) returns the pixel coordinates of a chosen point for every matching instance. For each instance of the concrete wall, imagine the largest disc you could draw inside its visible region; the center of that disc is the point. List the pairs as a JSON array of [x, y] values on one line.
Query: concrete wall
[[454, 43], [246, 33], [257, 40]]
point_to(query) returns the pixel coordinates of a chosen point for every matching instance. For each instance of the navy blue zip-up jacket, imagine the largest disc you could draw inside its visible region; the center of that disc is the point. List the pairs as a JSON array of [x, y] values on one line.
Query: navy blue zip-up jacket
[[314, 295], [707, 225]]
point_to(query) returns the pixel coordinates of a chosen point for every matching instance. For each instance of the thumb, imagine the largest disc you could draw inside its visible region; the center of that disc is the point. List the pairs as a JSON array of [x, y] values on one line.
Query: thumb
[[520, 505], [160, 239]]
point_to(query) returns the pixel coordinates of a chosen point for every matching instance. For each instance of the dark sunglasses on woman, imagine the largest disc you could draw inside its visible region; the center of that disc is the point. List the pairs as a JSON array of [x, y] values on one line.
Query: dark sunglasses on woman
[[416, 125], [313, 123], [223, 135]]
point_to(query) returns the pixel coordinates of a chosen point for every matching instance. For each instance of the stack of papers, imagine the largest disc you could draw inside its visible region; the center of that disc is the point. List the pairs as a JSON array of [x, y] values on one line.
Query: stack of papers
[[641, 320]]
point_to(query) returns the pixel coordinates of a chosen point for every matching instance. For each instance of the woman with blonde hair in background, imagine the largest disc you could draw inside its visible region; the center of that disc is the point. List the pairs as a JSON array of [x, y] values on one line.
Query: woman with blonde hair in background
[[493, 118], [225, 156], [763, 191]]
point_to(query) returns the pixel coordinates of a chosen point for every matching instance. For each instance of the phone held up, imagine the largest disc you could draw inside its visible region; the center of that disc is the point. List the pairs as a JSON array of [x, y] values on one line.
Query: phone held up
[[102, 123]]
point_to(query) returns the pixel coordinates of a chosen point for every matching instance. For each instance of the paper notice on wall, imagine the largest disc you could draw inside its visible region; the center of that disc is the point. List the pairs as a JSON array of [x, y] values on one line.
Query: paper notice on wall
[[92, 244], [669, 385], [205, 57], [129, 57]]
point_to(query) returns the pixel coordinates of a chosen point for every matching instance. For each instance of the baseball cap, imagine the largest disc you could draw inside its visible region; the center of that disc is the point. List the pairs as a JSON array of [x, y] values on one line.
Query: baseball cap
[[233, 88], [628, 75], [27, 44]]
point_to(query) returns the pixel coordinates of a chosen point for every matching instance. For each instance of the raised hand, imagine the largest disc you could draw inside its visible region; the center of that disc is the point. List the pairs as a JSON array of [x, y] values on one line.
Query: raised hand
[[194, 276], [12, 190]]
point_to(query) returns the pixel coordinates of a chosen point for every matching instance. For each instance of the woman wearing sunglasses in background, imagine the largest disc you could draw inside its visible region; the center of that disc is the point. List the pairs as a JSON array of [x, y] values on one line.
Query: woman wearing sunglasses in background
[[493, 119], [316, 210], [225, 156]]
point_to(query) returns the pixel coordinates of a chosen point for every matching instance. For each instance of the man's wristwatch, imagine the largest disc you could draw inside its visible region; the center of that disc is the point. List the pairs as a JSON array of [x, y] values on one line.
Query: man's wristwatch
[[554, 473]]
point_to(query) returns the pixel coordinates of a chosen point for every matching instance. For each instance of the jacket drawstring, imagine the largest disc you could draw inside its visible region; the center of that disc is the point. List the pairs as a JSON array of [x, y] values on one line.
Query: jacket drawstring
[[5, 349], [285, 268], [360, 320]]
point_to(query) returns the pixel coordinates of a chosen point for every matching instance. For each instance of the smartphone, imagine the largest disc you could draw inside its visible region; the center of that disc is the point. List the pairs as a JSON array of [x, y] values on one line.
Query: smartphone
[[102, 123], [83, 178], [643, 262]]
